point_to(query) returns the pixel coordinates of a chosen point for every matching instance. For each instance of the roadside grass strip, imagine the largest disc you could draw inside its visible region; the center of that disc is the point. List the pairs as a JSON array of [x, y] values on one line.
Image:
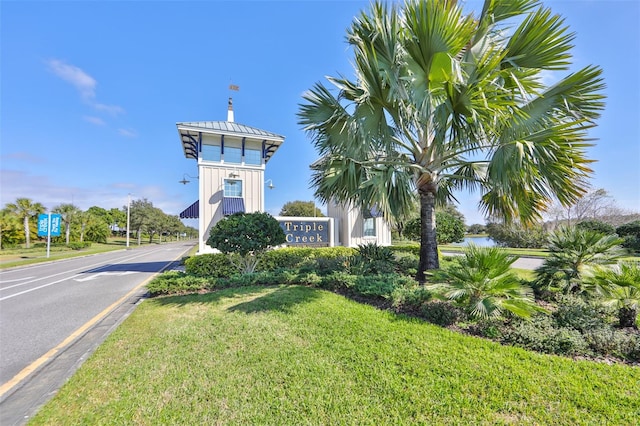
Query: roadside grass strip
[[298, 355]]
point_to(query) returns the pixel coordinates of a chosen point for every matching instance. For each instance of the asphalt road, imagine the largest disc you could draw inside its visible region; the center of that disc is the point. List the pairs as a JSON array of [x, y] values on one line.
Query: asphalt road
[[52, 315]]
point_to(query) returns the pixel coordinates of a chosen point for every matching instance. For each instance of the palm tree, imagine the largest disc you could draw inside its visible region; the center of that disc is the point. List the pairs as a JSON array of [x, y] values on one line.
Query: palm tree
[[483, 282], [25, 209], [573, 252], [68, 213], [443, 102], [620, 287]]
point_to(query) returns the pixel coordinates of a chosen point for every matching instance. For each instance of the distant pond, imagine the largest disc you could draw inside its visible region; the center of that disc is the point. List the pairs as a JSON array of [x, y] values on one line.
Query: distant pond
[[479, 241]]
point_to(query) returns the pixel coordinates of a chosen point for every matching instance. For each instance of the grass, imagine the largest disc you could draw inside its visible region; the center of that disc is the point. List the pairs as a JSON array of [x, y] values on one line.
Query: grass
[[298, 355]]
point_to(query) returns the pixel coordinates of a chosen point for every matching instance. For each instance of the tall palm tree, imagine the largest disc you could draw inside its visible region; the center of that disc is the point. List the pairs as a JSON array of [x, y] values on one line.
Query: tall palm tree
[[442, 102], [68, 213], [25, 209]]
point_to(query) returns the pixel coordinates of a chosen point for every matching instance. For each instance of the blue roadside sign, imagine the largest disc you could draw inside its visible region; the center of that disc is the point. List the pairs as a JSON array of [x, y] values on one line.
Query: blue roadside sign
[[43, 225]]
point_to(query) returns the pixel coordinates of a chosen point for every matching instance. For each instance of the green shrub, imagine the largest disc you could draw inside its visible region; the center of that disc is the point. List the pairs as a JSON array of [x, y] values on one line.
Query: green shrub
[[598, 226], [308, 257], [372, 259], [607, 341], [410, 298], [413, 249], [581, 315], [489, 328], [310, 278], [540, 335], [338, 281], [328, 265], [175, 282], [630, 233], [406, 264], [217, 265], [375, 286], [284, 258], [441, 313]]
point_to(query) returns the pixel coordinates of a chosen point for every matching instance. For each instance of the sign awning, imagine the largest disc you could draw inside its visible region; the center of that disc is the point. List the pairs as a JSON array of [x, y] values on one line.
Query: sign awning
[[191, 212], [231, 205]]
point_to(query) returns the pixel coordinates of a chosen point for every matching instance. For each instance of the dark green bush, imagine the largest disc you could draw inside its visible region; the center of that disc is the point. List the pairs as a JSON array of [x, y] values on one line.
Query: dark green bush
[[175, 282], [540, 335], [375, 285], [442, 313], [598, 226], [327, 265], [372, 259], [574, 312], [607, 341], [410, 298], [284, 258], [406, 264], [338, 281], [630, 233], [216, 265]]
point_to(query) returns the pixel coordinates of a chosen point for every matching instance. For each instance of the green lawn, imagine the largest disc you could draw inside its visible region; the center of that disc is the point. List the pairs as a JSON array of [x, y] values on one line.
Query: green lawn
[[298, 355]]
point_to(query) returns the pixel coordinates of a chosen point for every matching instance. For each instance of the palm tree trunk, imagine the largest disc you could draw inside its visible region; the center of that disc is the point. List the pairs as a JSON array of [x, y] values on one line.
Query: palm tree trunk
[[27, 233], [627, 317], [428, 242]]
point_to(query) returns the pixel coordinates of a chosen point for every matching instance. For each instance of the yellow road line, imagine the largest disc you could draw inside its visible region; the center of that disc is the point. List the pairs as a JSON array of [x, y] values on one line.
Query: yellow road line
[[51, 353]]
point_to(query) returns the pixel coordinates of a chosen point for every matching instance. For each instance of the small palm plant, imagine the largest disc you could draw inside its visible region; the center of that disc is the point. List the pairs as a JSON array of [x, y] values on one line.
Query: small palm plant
[[482, 282], [620, 288], [572, 253]]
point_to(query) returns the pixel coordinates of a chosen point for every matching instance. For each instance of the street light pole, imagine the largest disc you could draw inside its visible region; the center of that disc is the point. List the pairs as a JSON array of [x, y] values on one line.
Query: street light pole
[[128, 217]]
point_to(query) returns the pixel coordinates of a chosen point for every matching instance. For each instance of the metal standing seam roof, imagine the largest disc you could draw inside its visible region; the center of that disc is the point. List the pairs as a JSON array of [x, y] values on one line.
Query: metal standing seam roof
[[222, 128]]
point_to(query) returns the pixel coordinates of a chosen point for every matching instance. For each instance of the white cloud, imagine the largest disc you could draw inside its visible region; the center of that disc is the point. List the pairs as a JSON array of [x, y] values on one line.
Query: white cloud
[[94, 120], [84, 84], [111, 109], [127, 133], [23, 156]]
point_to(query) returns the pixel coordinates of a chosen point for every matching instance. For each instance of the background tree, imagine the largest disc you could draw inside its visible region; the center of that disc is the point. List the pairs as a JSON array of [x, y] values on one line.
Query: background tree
[[517, 236], [597, 225], [10, 232], [26, 210], [97, 230], [141, 216], [443, 102], [477, 228], [247, 235], [118, 218], [630, 233], [301, 209], [68, 212], [400, 222], [450, 226]]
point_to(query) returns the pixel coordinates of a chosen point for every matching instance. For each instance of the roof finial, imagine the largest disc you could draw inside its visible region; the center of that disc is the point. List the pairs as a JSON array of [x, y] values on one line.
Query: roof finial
[[230, 117]]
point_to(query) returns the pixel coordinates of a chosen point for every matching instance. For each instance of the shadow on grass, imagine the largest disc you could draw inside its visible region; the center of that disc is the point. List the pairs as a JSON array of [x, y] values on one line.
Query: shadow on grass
[[262, 298], [279, 299]]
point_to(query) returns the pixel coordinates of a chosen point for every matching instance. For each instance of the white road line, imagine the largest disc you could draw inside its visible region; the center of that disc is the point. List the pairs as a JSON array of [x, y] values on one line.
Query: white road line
[[37, 288], [95, 269], [106, 273]]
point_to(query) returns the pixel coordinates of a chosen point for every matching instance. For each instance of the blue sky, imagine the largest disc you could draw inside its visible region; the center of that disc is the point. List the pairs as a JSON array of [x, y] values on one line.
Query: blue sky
[[91, 92]]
